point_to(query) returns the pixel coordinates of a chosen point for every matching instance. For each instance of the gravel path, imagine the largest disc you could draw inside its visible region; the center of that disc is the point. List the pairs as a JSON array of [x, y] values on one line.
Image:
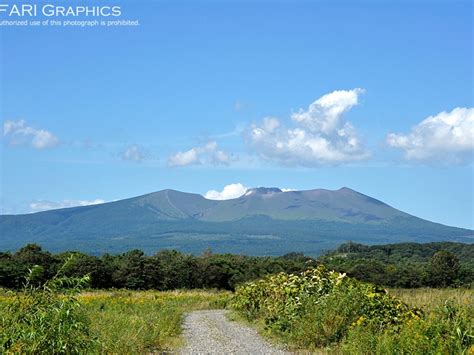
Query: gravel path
[[210, 332]]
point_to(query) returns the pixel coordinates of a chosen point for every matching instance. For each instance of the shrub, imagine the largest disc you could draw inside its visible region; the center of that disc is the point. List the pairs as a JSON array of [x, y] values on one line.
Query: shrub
[[448, 330], [319, 307], [46, 318]]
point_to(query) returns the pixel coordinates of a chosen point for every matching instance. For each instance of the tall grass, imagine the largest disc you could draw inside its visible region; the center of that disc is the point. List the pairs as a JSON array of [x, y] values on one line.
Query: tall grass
[[447, 326], [447, 329], [55, 318], [117, 322], [429, 299], [45, 318], [143, 321]]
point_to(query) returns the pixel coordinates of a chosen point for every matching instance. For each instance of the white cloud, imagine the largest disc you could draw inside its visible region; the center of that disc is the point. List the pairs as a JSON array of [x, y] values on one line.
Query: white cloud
[[133, 153], [208, 153], [19, 133], [41, 205], [229, 192], [321, 135], [448, 136], [219, 157], [326, 113], [188, 157]]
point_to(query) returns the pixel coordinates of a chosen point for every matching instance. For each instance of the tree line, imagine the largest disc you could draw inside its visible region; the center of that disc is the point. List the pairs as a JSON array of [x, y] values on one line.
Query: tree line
[[395, 265], [406, 265], [165, 270]]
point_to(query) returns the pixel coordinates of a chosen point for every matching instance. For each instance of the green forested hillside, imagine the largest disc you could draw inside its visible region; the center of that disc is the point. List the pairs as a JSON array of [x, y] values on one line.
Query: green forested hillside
[[262, 222]]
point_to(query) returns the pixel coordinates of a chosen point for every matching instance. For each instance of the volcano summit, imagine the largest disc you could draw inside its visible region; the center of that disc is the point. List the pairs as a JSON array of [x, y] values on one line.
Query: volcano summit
[[264, 221]]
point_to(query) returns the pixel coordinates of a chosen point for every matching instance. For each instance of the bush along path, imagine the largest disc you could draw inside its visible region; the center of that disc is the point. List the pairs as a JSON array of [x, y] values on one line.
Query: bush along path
[[210, 332], [325, 309]]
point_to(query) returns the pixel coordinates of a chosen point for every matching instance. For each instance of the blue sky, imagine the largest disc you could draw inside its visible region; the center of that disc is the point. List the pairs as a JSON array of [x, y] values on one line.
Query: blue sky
[[204, 94]]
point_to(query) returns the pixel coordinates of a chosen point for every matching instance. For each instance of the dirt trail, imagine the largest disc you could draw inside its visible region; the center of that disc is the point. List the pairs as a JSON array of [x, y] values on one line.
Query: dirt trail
[[210, 332]]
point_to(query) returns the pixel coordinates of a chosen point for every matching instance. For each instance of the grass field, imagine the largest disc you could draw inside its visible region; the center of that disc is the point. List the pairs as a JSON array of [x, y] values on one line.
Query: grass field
[[123, 321], [143, 322], [118, 321], [430, 298]]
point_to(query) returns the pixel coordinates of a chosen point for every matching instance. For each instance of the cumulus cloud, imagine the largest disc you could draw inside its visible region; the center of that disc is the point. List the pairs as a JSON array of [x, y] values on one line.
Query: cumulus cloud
[[19, 133], [188, 157], [133, 153], [326, 113], [448, 136], [321, 135], [41, 205], [208, 153], [229, 192]]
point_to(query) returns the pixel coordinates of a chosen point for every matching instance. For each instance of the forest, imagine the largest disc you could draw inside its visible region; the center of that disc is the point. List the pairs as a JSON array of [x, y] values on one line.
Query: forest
[[404, 265]]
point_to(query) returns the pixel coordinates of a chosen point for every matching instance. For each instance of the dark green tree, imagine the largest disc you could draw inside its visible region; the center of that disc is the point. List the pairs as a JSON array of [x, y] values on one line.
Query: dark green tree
[[12, 272], [83, 264], [443, 269], [32, 255], [130, 270]]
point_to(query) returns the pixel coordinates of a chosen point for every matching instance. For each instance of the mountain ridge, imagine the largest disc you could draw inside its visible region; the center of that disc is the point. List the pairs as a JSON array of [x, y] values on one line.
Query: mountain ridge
[[261, 221]]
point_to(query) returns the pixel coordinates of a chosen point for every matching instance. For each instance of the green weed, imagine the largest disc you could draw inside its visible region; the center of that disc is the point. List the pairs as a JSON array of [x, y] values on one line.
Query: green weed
[[46, 318]]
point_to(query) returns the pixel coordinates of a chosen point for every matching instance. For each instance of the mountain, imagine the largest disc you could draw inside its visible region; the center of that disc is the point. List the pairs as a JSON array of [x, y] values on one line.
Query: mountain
[[264, 221]]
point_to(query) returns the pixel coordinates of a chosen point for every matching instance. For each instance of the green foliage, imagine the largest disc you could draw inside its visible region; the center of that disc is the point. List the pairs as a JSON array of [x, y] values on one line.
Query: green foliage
[[11, 272], [82, 265], [447, 330], [46, 318], [443, 269], [405, 265], [14, 268], [143, 322], [165, 270], [318, 307]]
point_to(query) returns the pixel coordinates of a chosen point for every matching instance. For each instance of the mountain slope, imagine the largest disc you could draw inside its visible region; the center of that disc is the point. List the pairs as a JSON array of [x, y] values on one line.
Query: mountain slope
[[263, 221], [343, 205]]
